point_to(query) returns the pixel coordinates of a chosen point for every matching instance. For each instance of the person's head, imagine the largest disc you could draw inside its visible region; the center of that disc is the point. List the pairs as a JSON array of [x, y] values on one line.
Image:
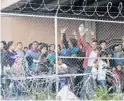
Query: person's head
[[19, 45], [52, 47], [94, 45], [39, 45], [30, 46], [10, 45], [103, 44], [35, 45], [25, 49], [1, 46], [72, 42], [44, 48], [60, 61], [64, 41], [81, 28], [119, 66], [59, 48]]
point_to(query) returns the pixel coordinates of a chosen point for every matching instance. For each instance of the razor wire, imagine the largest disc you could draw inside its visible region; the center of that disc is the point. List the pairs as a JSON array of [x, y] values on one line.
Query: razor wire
[[83, 10], [23, 87], [33, 84]]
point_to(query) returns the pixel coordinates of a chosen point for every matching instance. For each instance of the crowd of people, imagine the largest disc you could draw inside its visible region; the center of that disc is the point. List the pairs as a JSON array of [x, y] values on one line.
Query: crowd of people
[[40, 57]]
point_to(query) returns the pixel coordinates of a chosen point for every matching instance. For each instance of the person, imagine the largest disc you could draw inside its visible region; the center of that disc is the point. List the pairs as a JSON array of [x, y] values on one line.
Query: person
[[64, 43], [59, 50], [1, 56], [43, 57], [33, 51], [102, 69], [51, 54], [73, 46], [118, 75], [91, 51], [62, 70], [39, 45], [44, 53], [17, 68], [111, 61], [103, 46], [19, 50], [32, 54], [92, 54], [25, 50], [119, 53], [8, 58], [70, 47], [10, 54]]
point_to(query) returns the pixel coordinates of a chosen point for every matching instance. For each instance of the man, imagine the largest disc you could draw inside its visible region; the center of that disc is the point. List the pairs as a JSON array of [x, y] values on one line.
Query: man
[[92, 54], [33, 53], [90, 50], [103, 46], [19, 50]]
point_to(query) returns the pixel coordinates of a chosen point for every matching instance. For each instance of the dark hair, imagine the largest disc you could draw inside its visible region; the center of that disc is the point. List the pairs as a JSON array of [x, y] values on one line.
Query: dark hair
[[59, 47], [60, 59], [40, 43], [25, 47], [102, 41], [43, 45], [64, 41], [52, 45], [35, 42], [30, 45], [73, 42], [10, 43], [4, 42], [19, 43]]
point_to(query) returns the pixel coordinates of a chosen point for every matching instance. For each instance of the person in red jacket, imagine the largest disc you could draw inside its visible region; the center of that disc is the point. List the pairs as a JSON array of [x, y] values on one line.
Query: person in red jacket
[[91, 53], [90, 50]]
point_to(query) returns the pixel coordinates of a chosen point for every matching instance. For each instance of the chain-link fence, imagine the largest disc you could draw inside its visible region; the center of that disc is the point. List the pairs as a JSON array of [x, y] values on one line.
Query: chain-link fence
[[61, 59]]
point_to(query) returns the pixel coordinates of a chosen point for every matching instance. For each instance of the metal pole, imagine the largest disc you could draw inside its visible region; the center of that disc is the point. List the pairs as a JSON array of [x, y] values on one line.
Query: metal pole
[[56, 50]]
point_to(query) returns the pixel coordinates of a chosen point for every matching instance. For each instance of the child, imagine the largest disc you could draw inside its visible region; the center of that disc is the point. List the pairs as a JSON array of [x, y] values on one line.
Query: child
[[102, 69], [18, 69], [117, 71], [62, 68], [117, 77]]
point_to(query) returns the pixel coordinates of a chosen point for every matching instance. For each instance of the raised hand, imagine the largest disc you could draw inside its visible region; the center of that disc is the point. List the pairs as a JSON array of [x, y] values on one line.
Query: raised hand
[[81, 30], [74, 33]]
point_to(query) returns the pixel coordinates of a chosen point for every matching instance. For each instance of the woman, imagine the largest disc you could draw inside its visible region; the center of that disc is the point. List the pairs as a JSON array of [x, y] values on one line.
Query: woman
[[10, 54]]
